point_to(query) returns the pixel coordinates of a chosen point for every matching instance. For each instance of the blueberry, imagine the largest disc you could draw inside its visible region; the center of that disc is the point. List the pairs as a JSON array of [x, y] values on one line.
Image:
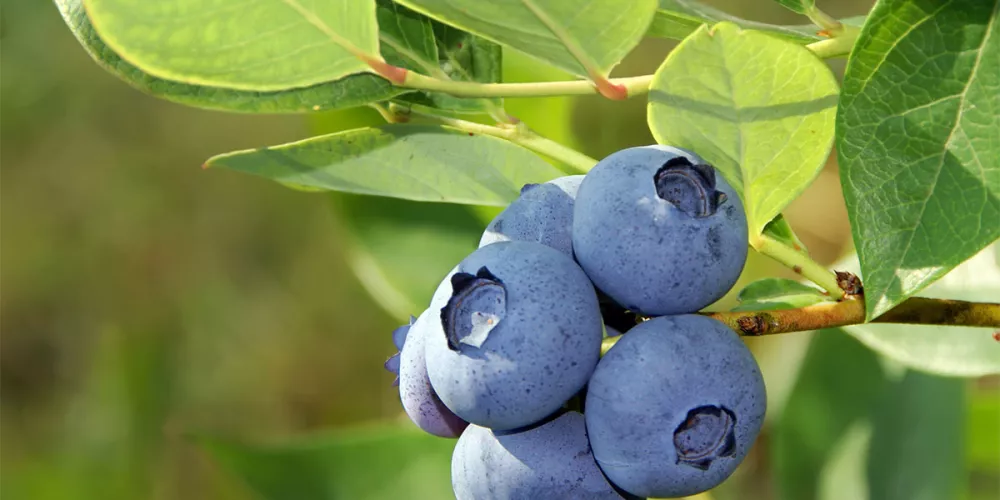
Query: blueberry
[[420, 402], [543, 214], [518, 335], [659, 231], [549, 461], [674, 406]]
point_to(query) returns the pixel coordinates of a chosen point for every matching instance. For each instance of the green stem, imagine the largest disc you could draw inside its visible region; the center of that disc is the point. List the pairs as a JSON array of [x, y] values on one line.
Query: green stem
[[386, 113], [838, 46], [798, 262], [635, 85], [565, 154], [519, 134], [829, 23]]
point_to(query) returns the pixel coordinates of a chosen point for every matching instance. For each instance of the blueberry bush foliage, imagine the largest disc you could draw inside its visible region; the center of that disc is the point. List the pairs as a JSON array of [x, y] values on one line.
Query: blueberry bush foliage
[[915, 123]]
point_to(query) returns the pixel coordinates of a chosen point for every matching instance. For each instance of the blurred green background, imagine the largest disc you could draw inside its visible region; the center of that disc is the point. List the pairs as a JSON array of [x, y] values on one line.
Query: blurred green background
[[144, 299]]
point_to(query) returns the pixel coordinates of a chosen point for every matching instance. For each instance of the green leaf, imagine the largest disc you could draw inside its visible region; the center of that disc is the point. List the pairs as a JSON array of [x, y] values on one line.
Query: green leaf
[[917, 142], [758, 108], [946, 350], [827, 398], [916, 445], [266, 45], [843, 475], [414, 162], [586, 38], [407, 38], [676, 19], [414, 41], [401, 249], [800, 6], [354, 90], [778, 293], [462, 56], [376, 463], [780, 230], [982, 441]]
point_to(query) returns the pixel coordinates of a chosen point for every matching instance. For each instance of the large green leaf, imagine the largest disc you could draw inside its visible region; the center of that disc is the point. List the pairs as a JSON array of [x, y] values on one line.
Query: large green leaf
[[982, 436], [676, 19], [918, 142], [759, 108], [375, 463], [586, 37], [265, 45], [826, 400], [414, 162], [916, 447], [347, 92], [400, 250], [946, 350]]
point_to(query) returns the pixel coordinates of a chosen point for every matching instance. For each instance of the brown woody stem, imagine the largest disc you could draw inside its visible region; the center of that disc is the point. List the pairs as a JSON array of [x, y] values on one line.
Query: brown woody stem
[[851, 311]]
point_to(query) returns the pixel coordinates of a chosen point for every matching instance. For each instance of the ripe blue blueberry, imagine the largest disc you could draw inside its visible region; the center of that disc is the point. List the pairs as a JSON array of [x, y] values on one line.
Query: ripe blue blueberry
[[551, 461], [657, 230], [674, 406], [420, 402], [543, 214], [519, 334]]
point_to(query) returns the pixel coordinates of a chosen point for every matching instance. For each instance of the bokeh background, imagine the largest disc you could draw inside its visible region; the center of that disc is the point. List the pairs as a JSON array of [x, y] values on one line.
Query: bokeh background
[[144, 299]]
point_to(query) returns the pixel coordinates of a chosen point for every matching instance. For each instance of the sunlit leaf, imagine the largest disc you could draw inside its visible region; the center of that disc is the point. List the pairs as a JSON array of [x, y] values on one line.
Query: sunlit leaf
[[346, 92], [758, 108], [263, 46]]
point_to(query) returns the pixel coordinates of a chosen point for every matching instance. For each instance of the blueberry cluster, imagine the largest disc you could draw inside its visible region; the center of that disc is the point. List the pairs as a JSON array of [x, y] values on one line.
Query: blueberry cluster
[[507, 355]]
